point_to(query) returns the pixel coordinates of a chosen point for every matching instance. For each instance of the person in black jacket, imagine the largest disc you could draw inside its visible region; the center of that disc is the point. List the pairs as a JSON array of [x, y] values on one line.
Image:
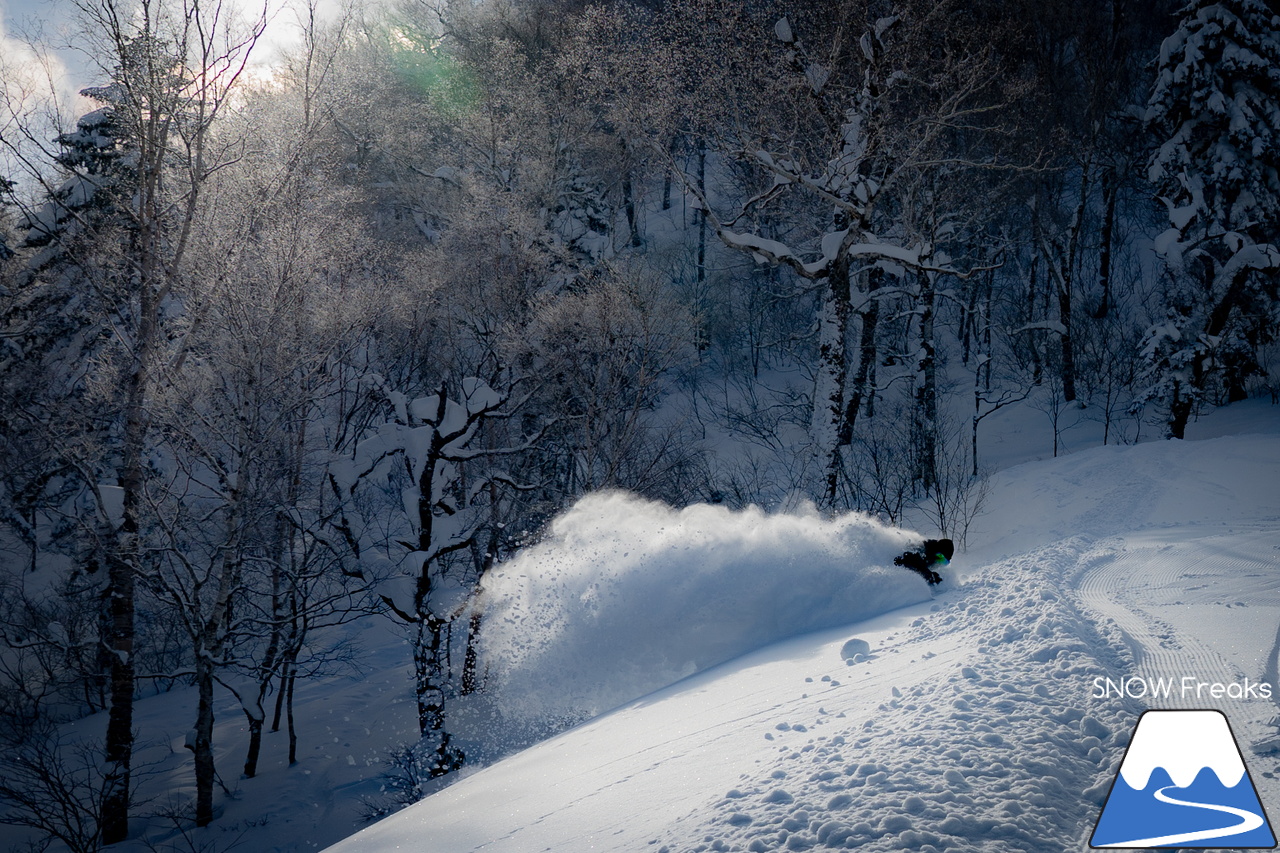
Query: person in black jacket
[[934, 552]]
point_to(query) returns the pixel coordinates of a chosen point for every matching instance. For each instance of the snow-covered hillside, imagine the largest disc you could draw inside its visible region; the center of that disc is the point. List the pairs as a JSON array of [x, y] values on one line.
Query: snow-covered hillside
[[975, 723], [972, 724]]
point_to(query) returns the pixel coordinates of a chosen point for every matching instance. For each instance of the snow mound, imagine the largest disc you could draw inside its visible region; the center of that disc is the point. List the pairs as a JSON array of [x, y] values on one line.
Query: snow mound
[[855, 647], [625, 596]]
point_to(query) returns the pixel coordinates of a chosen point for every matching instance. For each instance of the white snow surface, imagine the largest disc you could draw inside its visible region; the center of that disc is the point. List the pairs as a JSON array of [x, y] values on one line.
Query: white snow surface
[[974, 723], [625, 596]]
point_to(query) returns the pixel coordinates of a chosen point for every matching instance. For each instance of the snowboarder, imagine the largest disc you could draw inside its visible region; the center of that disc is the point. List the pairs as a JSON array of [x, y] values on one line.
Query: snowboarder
[[934, 552]]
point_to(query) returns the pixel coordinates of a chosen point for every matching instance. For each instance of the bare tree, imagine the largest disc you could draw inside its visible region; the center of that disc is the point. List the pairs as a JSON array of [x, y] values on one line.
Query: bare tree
[[55, 786], [170, 69], [611, 350], [833, 130], [427, 454]]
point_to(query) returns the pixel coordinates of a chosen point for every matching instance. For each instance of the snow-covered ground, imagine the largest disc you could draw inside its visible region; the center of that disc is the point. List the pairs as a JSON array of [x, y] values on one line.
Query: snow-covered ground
[[976, 722]]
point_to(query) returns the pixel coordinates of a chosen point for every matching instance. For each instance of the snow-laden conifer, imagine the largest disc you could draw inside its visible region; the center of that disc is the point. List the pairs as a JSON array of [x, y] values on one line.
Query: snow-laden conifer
[[1214, 113]]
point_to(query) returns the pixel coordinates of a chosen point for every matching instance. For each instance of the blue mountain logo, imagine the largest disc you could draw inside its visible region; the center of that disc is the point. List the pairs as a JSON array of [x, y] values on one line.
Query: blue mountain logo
[[1183, 783]]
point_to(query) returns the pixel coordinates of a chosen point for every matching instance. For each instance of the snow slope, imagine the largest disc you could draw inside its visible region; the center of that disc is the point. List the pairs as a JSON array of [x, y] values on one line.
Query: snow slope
[[972, 725], [977, 721]]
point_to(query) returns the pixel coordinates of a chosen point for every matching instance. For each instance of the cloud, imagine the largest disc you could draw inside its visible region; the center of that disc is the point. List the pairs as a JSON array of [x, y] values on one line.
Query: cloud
[[31, 34], [39, 91]]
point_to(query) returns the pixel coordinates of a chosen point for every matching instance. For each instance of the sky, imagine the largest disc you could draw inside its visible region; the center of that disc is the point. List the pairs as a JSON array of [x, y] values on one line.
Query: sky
[[55, 22], [51, 21], [26, 81]]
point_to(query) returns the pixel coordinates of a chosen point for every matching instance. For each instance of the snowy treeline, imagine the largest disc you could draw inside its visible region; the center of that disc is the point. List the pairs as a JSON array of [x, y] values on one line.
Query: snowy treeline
[[282, 352]]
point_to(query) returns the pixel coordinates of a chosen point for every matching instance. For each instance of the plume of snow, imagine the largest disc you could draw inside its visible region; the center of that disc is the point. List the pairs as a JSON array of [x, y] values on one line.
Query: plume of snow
[[625, 596]]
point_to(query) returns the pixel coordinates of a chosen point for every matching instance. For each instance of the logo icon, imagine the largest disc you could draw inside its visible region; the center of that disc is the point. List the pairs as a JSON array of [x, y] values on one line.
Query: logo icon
[[1183, 783]]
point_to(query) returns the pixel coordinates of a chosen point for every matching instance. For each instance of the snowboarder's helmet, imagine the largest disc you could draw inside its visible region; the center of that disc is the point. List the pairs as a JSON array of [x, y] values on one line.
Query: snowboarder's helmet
[[939, 550]]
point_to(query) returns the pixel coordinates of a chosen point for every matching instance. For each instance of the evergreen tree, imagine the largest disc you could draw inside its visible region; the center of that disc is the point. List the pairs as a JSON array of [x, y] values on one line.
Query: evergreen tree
[[57, 343], [55, 334], [1215, 113], [94, 157], [64, 286]]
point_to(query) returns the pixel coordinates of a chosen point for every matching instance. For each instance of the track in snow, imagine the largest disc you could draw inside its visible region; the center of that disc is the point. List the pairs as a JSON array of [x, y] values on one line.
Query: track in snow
[[1135, 584], [1191, 604]]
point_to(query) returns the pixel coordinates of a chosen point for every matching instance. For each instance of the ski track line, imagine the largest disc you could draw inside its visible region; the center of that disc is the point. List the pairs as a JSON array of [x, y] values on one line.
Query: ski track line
[[1272, 675], [808, 706], [1111, 588]]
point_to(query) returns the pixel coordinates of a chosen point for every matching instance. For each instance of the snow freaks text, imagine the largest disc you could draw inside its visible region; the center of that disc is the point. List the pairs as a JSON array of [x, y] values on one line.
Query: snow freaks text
[[1186, 687]]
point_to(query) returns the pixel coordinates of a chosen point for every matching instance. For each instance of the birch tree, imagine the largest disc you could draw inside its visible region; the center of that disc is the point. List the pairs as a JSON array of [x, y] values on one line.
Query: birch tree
[[170, 69]]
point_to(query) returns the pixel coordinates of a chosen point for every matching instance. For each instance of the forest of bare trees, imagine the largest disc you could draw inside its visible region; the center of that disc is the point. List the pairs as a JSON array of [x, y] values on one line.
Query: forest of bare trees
[[279, 352]]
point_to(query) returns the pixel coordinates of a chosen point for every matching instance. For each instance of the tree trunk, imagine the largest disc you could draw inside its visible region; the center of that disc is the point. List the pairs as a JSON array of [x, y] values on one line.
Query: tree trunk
[[702, 218], [1066, 283], [284, 677], [1179, 412], [209, 647], [267, 667], [1067, 344], [982, 370], [628, 199], [288, 603], [866, 357], [1107, 236], [430, 654], [121, 565], [829, 390], [927, 395], [119, 738], [973, 422], [1033, 293], [293, 732], [701, 337], [203, 746], [666, 178], [967, 321], [429, 679], [471, 663], [255, 746]]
